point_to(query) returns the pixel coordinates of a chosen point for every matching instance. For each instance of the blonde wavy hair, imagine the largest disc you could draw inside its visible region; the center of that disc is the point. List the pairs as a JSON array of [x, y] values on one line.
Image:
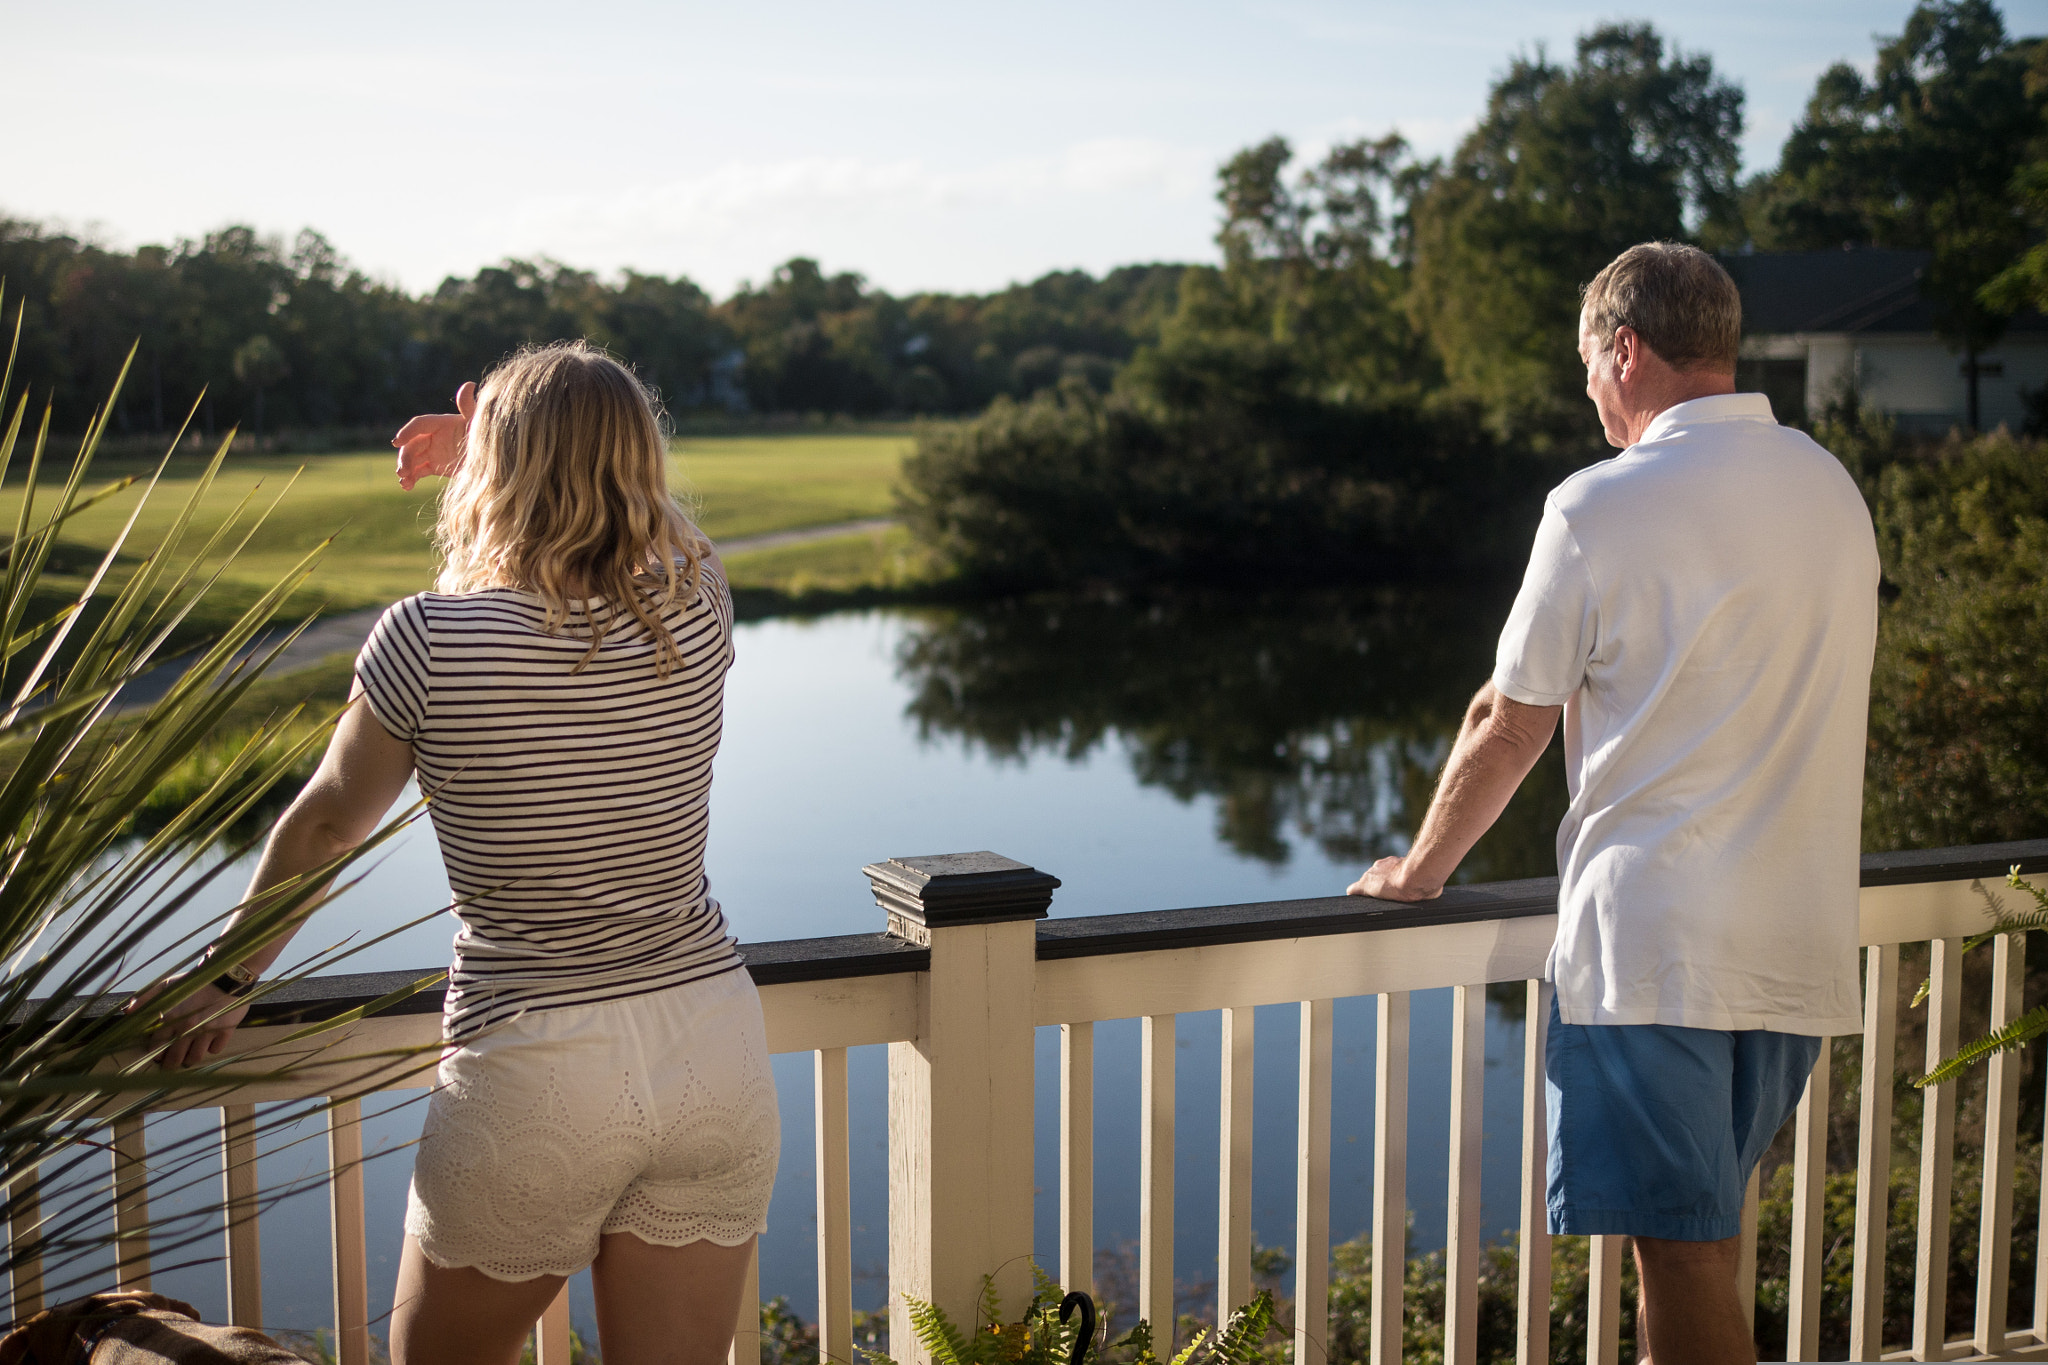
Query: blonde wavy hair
[[563, 483]]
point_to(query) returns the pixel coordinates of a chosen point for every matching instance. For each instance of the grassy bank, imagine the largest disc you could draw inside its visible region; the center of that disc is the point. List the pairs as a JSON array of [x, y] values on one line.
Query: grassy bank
[[739, 486]]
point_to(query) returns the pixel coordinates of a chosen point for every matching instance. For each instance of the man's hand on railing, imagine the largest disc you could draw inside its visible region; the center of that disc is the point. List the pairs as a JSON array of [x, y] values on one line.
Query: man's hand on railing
[[1387, 880], [196, 1027], [433, 443]]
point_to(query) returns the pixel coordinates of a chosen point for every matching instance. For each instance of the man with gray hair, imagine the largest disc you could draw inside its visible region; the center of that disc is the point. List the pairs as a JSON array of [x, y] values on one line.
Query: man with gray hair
[[1701, 610]]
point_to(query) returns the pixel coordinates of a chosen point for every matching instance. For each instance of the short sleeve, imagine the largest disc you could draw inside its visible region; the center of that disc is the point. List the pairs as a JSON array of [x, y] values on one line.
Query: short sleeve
[[718, 593], [395, 669], [1552, 630]]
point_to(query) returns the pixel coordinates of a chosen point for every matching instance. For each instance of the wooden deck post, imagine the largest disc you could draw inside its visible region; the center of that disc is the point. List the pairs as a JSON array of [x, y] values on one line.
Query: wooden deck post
[[960, 1094]]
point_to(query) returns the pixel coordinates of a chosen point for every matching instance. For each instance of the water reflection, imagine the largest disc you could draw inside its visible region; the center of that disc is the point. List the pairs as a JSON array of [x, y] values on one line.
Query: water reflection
[[1190, 751], [1316, 719]]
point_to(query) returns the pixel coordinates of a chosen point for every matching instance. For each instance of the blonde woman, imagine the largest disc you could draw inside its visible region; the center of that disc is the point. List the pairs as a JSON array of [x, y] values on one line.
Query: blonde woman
[[605, 1095]]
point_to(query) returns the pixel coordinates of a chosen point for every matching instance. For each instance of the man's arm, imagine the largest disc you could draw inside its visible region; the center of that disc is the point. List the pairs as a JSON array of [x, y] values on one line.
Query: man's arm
[[1498, 744]]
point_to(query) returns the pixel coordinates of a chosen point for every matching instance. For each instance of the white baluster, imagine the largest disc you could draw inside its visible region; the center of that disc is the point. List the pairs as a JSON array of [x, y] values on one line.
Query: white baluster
[[1874, 1152], [835, 1207], [239, 1191], [1389, 1177], [1462, 1231], [746, 1331], [1809, 1185], [1312, 1186], [2001, 1129], [1077, 1157], [1937, 1154], [1603, 1301], [351, 1250], [1532, 1310], [131, 1204], [1234, 1176], [1155, 1178]]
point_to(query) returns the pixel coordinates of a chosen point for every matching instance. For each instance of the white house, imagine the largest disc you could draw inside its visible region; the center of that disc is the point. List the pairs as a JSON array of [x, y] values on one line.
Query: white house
[[1817, 322]]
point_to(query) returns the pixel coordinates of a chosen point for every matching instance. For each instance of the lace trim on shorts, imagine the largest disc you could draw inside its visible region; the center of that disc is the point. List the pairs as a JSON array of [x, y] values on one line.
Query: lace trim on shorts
[[518, 1186]]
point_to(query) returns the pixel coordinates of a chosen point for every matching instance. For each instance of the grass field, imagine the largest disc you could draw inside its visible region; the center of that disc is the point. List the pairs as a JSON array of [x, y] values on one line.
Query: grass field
[[739, 486]]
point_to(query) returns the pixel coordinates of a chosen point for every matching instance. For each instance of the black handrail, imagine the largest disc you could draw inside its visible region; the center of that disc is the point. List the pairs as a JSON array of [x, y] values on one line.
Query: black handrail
[[854, 955]]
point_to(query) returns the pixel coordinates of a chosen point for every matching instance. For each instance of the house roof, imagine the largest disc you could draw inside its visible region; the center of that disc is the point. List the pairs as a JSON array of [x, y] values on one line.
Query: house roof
[[1860, 290]]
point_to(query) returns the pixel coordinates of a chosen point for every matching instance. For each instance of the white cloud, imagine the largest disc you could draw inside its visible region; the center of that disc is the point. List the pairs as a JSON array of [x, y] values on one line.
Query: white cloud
[[703, 218]]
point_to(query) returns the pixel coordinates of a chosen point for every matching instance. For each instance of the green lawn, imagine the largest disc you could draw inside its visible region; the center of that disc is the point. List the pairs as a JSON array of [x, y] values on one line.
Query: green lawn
[[864, 561], [739, 485], [745, 485]]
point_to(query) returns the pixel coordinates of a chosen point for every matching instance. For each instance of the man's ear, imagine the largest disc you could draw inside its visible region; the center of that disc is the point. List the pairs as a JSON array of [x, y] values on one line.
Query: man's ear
[[1628, 352]]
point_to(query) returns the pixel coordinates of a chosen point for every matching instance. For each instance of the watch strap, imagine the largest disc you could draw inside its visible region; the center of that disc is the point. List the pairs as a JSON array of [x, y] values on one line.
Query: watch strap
[[235, 979]]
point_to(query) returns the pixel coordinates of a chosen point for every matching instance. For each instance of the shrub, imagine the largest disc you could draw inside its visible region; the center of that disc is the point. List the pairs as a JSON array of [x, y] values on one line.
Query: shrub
[[1212, 466], [1959, 699]]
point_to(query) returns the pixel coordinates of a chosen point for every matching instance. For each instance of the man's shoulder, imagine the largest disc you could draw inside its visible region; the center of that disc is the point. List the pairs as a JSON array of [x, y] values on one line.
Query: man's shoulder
[[1753, 454]]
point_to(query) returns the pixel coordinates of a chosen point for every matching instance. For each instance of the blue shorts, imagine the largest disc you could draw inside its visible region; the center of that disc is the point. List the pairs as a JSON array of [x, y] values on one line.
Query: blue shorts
[[1654, 1129]]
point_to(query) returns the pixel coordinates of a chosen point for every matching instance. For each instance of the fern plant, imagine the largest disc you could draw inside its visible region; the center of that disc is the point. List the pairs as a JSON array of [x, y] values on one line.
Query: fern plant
[[1042, 1335], [2020, 1031]]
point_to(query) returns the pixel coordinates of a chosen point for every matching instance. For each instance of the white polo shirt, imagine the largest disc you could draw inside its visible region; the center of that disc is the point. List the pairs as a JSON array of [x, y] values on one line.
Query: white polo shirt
[[1704, 607]]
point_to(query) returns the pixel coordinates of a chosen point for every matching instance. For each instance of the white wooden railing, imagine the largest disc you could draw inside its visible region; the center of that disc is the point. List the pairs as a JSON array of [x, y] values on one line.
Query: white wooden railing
[[969, 969]]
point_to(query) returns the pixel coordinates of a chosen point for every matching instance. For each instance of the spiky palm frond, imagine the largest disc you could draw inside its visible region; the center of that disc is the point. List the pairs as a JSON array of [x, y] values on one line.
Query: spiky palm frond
[[90, 910]]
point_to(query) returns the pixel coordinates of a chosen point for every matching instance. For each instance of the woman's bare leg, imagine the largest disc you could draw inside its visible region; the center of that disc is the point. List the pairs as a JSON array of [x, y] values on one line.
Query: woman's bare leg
[[667, 1305], [463, 1316]]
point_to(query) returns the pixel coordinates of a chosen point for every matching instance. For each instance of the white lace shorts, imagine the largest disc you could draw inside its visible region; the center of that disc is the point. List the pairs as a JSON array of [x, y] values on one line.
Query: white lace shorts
[[653, 1115]]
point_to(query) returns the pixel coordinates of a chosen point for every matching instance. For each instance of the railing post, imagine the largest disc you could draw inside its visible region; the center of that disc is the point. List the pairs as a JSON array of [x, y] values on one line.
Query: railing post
[[960, 1094]]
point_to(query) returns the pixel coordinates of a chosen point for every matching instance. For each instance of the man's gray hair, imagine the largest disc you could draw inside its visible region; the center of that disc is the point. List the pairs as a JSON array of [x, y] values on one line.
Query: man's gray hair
[[1677, 298]]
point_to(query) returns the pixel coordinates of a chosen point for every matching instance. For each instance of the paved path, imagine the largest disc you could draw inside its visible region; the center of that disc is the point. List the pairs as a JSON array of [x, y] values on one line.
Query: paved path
[[803, 535], [344, 634]]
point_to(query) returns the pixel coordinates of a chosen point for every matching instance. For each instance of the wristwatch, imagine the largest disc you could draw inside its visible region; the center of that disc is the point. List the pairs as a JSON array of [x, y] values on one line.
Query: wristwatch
[[234, 979]]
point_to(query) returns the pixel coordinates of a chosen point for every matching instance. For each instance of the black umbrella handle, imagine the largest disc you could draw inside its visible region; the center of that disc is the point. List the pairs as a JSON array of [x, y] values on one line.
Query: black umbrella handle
[[1084, 1338]]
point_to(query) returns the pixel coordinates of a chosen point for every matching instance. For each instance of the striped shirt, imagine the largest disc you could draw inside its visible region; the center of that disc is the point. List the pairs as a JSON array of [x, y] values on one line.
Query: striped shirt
[[572, 807]]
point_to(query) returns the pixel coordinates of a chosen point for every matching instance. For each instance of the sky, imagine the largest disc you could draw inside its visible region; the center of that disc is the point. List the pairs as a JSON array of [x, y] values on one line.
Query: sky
[[927, 144]]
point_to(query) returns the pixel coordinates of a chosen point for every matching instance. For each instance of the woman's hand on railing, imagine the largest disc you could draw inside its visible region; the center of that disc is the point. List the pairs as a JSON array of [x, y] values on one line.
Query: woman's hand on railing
[[195, 1028], [1387, 880], [432, 443]]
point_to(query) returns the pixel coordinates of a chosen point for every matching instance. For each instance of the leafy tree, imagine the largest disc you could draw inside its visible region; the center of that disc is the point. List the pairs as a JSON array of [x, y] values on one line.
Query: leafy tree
[[1569, 166], [259, 363], [1312, 266], [1920, 155], [2024, 284]]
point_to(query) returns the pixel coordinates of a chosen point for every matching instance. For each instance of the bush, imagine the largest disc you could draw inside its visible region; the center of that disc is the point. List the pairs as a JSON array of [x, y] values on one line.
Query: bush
[[1211, 465], [1959, 699]]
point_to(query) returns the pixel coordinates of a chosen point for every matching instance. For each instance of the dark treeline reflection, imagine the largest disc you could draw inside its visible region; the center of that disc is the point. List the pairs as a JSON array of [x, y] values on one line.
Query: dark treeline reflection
[[1310, 717]]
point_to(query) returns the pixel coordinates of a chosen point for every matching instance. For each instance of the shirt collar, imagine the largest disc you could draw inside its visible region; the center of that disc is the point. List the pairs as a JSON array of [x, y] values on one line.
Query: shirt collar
[[1721, 407]]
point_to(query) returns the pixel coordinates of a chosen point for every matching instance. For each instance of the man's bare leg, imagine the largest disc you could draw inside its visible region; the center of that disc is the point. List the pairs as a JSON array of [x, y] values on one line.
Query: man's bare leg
[[1688, 1313]]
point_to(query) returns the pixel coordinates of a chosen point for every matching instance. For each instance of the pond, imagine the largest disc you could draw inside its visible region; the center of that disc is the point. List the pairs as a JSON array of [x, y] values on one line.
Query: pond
[[1193, 751]]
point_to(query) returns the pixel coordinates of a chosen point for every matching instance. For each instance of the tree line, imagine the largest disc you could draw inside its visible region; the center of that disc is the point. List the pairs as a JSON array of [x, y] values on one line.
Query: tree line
[[1381, 376], [293, 335], [1371, 278]]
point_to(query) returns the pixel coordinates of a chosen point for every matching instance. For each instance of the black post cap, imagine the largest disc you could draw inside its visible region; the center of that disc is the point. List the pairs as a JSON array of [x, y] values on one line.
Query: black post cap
[[940, 890]]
